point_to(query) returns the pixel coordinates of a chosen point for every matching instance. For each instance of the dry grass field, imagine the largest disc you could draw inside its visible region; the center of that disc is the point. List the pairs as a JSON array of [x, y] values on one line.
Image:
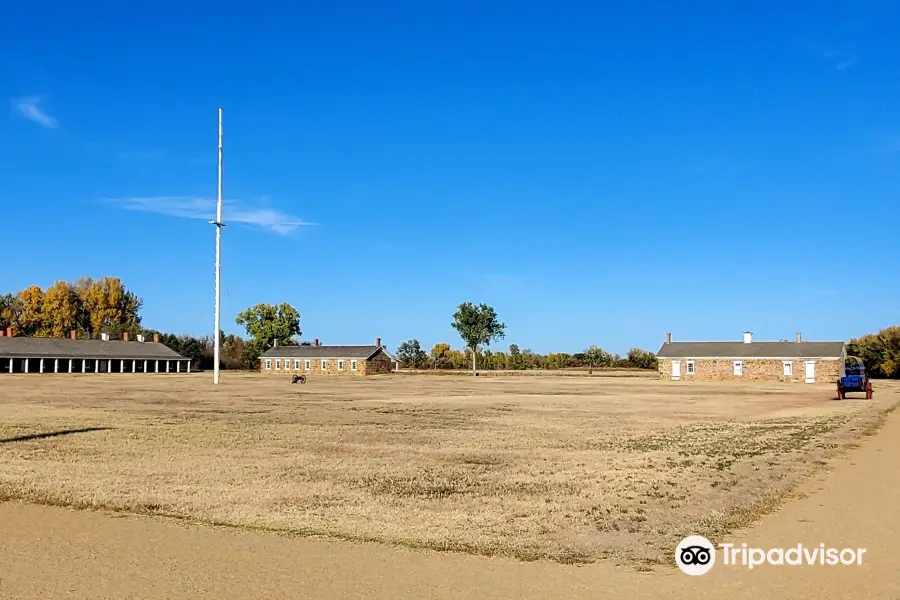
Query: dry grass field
[[567, 468]]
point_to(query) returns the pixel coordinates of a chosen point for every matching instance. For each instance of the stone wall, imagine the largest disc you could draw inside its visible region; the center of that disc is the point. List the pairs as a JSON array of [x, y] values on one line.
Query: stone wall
[[315, 366], [754, 369], [380, 363]]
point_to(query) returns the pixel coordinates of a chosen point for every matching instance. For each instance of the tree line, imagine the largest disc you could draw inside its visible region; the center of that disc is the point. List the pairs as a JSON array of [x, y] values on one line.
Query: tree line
[[93, 307], [879, 352], [478, 326], [442, 356]]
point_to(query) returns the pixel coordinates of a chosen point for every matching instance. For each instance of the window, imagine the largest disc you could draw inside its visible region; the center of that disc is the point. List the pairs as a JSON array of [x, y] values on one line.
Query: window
[[738, 367], [788, 368], [324, 364], [340, 365], [690, 367], [352, 365], [306, 365], [287, 364], [268, 364], [297, 364], [278, 363]]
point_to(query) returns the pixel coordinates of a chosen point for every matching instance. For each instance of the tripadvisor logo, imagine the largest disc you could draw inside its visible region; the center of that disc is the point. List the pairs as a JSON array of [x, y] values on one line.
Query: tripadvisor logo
[[696, 555]]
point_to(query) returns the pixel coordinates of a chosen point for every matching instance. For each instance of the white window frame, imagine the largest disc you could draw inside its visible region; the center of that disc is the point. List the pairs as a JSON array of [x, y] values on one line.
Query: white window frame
[[306, 365], [277, 364], [324, 365], [268, 364], [340, 365], [297, 364], [352, 365], [689, 369], [738, 368], [787, 367]]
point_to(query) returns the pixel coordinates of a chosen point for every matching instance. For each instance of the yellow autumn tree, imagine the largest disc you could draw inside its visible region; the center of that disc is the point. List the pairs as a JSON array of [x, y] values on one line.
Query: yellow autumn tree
[[61, 309], [440, 356], [108, 306], [31, 312]]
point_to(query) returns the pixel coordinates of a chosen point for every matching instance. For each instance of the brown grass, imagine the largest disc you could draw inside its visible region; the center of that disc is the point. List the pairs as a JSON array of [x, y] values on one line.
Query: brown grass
[[572, 469]]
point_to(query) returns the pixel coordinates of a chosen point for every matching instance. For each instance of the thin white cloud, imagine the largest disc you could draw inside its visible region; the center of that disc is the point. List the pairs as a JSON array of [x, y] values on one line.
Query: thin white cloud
[[28, 108], [186, 207], [841, 58]]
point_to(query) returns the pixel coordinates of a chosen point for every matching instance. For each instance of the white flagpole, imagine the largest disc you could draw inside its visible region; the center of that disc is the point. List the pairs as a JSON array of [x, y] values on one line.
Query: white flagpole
[[219, 225]]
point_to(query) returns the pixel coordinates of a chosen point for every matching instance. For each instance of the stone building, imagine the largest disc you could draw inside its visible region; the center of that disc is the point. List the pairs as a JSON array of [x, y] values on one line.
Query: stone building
[[71, 355], [798, 361], [316, 359]]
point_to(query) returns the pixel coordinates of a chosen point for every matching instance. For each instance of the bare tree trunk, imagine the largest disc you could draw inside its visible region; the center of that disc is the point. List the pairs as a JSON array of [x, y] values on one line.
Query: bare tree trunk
[[474, 369]]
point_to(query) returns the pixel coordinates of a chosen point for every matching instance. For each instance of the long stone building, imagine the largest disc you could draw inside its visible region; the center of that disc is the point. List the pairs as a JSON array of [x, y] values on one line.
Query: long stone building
[[71, 355], [316, 359], [798, 361]]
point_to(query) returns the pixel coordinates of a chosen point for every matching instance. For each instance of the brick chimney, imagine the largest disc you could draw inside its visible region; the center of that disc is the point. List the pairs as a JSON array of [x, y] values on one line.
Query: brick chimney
[[316, 342], [155, 338], [125, 336], [2, 332], [378, 342], [668, 338], [10, 331], [73, 334], [799, 339]]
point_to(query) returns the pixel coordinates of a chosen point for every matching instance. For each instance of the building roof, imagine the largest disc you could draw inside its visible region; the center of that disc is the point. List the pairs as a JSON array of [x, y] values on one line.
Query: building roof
[[751, 350], [363, 352], [31, 347]]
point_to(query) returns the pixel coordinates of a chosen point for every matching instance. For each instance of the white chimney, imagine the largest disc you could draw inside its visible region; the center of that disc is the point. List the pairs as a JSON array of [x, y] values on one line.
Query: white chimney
[[104, 337], [799, 339], [141, 339], [748, 337]]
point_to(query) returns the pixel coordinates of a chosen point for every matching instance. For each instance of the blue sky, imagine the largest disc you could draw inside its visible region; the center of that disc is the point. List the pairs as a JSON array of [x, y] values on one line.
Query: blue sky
[[601, 173]]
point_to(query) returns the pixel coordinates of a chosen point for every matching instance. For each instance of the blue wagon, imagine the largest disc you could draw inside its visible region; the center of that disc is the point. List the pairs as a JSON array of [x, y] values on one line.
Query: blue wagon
[[854, 380]]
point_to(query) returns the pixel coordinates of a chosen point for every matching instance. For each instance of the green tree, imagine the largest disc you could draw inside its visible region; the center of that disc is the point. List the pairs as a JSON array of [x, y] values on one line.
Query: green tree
[[268, 324], [594, 356], [458, 360], [641, 359], [191, 348], [9, 310], [515, 358], [477, 326], [411, 354], [530, 360], [880, 352], [487, 359]]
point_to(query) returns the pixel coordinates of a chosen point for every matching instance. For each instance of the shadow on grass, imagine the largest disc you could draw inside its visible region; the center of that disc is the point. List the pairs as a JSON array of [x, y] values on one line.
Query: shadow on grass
[[50, 434]]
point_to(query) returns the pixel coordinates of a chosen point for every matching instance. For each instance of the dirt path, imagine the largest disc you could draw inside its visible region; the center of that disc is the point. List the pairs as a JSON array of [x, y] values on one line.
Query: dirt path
[[57, 553]]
